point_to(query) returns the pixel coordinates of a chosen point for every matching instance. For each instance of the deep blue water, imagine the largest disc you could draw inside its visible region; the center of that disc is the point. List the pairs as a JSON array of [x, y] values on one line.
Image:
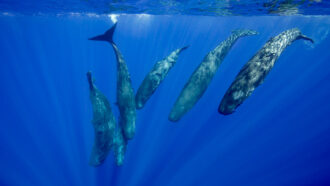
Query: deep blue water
[[278, 136]]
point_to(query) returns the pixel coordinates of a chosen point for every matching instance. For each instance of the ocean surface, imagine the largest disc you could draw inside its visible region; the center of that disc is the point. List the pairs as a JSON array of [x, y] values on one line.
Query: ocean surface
[[279, 136]]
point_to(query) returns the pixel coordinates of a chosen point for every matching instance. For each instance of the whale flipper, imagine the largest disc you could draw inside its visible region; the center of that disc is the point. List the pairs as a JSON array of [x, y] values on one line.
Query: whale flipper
[[107, 36]]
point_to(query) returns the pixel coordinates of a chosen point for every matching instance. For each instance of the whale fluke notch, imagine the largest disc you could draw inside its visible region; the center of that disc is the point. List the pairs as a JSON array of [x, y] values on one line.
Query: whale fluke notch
[[107, 36]]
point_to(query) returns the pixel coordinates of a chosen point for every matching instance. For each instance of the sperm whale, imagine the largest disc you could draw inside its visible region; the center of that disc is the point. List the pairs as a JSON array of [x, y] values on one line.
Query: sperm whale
[[119, 145], [202, 76], [155, 77], [256, 69], [125, 93], [104, 124]]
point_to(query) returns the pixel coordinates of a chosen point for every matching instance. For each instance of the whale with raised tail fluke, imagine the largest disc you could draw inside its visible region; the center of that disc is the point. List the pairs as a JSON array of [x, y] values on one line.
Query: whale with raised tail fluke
[[125, 93], [107, 36]]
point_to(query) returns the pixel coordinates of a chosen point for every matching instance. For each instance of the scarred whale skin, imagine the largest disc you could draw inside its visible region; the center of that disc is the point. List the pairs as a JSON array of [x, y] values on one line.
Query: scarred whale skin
[[255, 71], [125, 93], [104, 124], [155, 77], [202, 76]]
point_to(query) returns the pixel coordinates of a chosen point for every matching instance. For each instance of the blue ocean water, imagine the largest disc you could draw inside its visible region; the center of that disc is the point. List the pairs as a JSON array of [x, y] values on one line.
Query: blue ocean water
[[278, 136]]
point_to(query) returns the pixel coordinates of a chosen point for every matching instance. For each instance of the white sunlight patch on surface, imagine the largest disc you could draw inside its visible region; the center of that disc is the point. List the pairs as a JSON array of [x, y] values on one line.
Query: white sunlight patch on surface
[[114, 17]]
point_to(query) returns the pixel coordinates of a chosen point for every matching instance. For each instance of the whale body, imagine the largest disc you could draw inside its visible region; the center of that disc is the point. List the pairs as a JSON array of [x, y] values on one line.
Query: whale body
[[155, 77], [125, 93], [104, 124], [119, 146], [202, 76], [256, 69]]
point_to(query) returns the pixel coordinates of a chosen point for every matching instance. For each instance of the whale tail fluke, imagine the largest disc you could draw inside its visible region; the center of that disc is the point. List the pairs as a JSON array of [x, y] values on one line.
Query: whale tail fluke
[[107, 36], [244, 32], [184, 48], [306, 38], [90, 80]]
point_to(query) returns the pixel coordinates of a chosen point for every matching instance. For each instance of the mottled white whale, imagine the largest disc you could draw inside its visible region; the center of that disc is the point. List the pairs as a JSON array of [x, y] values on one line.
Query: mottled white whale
[[104, 124], [155, 77], [125, 93], [255, 71], [202, 76]]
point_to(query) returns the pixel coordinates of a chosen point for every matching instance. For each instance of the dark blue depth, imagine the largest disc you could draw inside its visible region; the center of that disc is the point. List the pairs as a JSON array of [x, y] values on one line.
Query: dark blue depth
[[278, 136]]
